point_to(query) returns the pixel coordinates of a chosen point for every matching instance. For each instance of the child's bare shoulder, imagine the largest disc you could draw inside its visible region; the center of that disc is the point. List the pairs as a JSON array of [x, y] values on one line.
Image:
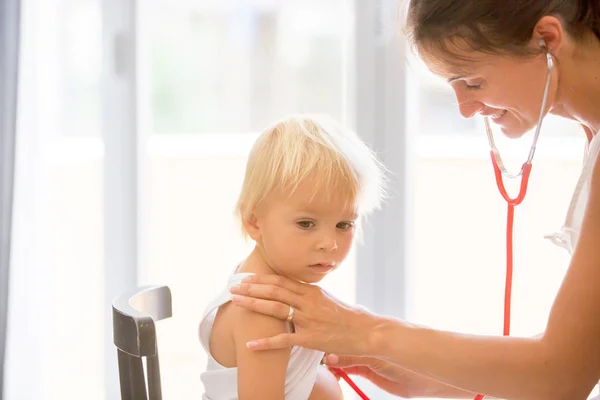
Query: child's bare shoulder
[[235, 321], [233, 326], [244, 322], [247, 323]]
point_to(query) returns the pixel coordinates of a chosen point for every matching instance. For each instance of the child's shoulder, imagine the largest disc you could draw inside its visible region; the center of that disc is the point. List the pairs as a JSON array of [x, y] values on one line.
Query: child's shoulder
[[240, 318], [233, 326], [245, 320], [224, 335], [248, 320]]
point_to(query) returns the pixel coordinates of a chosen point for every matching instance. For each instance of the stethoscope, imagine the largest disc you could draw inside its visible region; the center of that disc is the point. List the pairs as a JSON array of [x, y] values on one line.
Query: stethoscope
[[500, 172]]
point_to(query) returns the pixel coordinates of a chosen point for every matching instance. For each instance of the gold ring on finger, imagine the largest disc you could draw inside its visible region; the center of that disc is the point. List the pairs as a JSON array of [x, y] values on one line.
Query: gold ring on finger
[[290, 315]]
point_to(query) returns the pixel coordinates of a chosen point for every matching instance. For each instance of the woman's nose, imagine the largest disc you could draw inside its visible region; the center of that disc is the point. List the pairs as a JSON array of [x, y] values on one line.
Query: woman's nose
[[469, 108], [467, 105]]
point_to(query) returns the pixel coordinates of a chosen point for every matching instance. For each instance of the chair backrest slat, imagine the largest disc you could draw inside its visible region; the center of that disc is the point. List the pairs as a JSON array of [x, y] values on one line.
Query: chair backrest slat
[[134, 335]]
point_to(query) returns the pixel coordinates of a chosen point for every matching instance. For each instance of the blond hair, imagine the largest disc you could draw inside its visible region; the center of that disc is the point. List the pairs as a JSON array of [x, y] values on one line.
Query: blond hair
[[315, 146]]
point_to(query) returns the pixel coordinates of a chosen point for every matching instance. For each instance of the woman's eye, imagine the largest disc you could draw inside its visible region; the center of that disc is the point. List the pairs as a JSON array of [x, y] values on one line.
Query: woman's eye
[[306, 224], [345, 225], [473, 86]]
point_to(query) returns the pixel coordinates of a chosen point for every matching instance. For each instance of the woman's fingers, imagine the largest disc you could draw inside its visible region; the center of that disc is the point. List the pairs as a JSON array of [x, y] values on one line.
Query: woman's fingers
[[335, 361], [281, 341], [280, 281], [359, 370], [268, 292], [267, 307]]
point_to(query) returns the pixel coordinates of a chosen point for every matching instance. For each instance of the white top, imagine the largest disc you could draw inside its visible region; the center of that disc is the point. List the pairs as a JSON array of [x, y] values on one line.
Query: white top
[[569, 233], [220, 383]]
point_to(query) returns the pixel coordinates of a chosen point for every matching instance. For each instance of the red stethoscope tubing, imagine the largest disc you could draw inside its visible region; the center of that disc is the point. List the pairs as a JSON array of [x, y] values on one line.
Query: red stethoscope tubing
[[340, 372], [511, 202]]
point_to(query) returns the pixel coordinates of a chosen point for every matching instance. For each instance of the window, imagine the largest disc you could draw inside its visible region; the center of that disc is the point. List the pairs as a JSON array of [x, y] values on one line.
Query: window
[[80, 61], [222, 68]]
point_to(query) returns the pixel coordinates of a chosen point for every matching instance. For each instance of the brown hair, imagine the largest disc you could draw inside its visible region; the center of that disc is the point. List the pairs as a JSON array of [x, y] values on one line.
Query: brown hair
[[494, 26]]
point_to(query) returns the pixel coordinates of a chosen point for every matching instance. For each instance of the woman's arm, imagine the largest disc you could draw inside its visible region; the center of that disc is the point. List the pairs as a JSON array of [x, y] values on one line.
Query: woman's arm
[[394, 379], [261, 375], [564, 363], [511, 368]]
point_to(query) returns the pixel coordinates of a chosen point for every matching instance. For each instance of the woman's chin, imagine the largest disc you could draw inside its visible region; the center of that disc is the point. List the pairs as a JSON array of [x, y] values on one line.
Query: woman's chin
[[515, 131], [512, 127], [512, 133]]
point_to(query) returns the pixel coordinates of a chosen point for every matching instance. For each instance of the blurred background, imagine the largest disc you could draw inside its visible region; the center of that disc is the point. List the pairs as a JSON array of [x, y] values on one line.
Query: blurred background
[[133, 122]]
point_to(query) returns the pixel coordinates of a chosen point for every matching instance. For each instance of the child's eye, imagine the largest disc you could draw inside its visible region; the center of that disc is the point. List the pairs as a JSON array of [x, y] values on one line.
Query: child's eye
[[305, 224], [345, 225]]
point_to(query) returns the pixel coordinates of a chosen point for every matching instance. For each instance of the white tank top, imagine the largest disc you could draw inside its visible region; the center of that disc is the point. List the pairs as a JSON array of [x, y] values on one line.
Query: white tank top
[[220, 383], [568, 236]]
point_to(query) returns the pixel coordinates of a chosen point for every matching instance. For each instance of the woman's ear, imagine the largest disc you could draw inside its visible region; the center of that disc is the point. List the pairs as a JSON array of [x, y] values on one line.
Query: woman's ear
[[549, 34], [251, 226]]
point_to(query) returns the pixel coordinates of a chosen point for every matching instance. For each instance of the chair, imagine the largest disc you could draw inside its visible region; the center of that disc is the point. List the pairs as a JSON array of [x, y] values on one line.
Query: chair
[[134, 335]]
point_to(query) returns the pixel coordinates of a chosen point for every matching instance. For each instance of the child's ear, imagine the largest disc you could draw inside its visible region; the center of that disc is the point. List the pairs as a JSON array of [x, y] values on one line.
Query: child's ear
[[251, 226]]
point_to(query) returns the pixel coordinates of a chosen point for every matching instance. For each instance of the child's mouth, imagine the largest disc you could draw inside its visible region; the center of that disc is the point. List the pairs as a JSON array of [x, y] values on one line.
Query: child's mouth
[[322, 267]]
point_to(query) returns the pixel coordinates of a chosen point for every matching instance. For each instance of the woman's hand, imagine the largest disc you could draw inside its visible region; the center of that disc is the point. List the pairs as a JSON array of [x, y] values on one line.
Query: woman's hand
[[392, 378], [322, 322]]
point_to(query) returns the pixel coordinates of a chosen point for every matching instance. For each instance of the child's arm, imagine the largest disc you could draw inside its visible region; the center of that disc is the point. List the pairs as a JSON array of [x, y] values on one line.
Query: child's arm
[[261, 374]]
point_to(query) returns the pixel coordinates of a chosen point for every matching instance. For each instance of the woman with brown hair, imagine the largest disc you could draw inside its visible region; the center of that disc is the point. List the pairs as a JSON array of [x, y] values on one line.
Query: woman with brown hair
[[503, 59]]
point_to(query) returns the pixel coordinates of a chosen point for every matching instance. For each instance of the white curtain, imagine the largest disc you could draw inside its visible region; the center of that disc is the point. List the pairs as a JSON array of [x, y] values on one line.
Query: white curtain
[[9, 61], [56, 306]]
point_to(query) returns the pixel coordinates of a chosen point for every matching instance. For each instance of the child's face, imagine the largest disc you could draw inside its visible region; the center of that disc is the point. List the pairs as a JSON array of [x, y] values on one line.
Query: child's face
[[304, 238]]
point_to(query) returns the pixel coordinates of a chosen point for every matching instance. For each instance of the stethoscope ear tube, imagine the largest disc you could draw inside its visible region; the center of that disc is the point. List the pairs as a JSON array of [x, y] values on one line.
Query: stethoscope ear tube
[[497, 158]]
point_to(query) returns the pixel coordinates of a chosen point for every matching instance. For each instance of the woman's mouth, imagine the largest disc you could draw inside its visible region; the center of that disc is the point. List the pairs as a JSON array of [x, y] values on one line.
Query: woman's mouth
[[498, 115]]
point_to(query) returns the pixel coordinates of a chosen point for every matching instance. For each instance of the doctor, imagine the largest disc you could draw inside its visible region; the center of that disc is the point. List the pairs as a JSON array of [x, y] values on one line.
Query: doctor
[[494, 55]]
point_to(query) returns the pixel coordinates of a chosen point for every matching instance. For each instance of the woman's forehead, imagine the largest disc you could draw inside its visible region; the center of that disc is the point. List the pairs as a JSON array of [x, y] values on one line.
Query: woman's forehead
[[448, 68], [452, 62]]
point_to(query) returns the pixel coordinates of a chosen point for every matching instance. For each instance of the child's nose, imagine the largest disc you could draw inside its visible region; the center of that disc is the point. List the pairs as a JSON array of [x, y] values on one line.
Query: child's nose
[[328, 244]]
